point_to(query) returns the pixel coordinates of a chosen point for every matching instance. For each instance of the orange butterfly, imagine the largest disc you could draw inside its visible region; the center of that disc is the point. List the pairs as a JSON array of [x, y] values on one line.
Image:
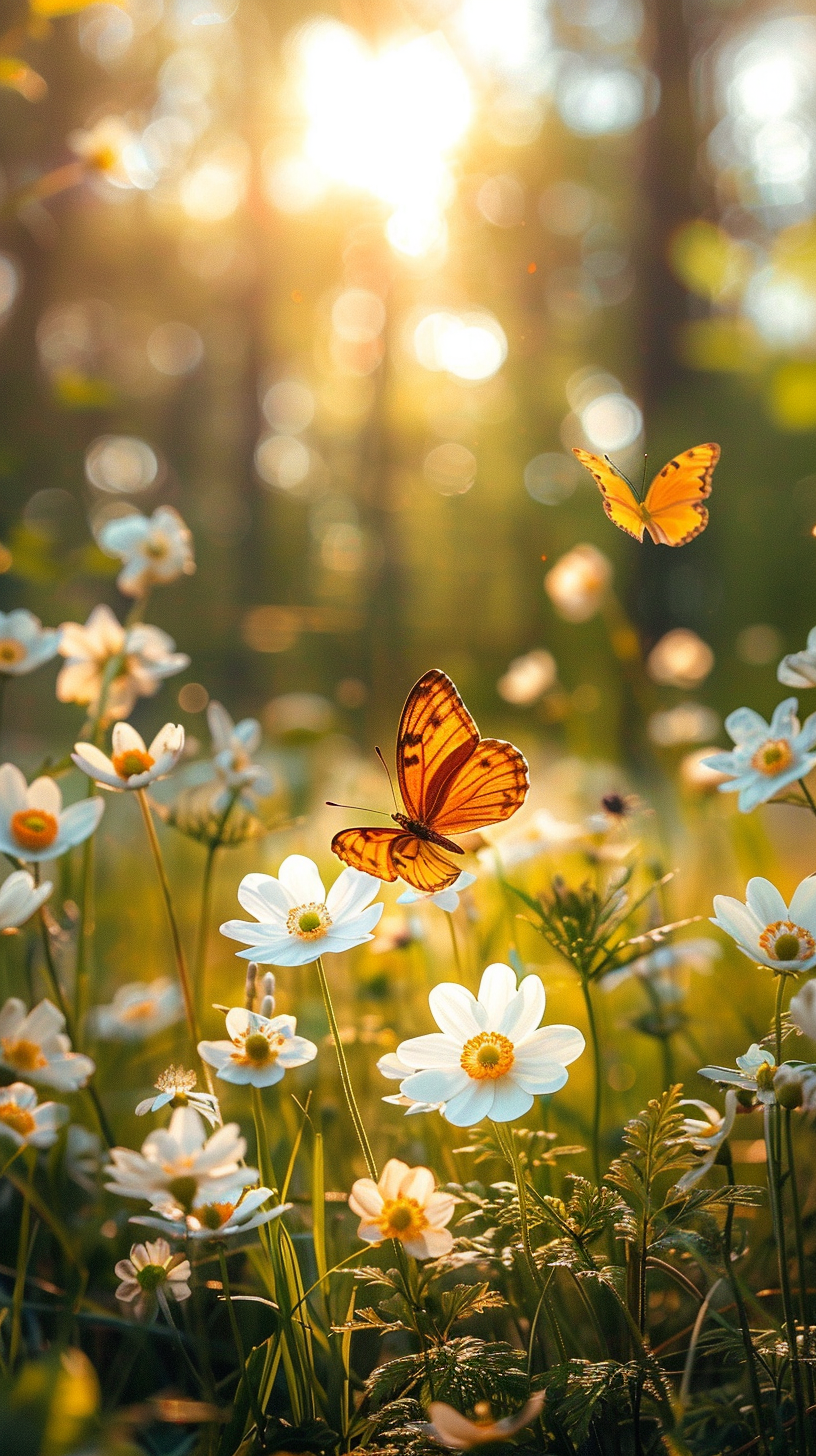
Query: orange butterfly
[[671, 511], [451, 781]]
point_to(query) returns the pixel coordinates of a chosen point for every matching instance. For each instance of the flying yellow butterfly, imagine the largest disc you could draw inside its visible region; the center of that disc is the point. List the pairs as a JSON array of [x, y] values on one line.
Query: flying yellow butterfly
[[672, 510]]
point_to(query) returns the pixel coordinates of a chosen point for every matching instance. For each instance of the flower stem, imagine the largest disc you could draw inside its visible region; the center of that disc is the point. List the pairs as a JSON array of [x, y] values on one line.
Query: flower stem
[[506, 1139], [745, 1329], [806, 791], [775, 1189], [69, 1026], [598, 1072], [265, 1168], [799, 1244], [23, 1251], [178, 949], [780, 993], [345, 1078], [239, 1344], [202, 940]]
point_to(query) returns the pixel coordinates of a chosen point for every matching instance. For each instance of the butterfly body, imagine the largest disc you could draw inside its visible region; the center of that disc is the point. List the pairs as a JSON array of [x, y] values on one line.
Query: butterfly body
[[672, 511], [452, 781]]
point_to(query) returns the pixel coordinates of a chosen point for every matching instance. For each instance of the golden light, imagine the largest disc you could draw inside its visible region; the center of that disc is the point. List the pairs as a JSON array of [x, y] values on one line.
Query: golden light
[[680, 659], [385, 122], [577, 585]]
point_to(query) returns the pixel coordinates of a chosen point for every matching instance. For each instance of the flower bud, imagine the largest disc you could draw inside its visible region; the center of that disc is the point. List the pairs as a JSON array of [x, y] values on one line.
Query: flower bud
[[249, 985], [787, 1084], [268, 995]]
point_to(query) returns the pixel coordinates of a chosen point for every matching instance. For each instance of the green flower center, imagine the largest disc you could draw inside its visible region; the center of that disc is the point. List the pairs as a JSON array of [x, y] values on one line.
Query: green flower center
[[257, 1048], [787, 947], [151, 1277]]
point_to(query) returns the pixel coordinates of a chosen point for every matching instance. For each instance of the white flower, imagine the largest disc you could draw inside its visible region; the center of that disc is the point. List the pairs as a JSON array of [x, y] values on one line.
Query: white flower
[[767, 756], [131, 764], [798, 669], [175, 1086], [659, 966], [802, 1009], [259, 1050], [445, 899], [755, 1073], [33, 1042], [151, 1270], [103, 148], [180, 1168], [394, 1070], [138, 1010], [33, 824], [449, 1428], [157, 548], [706, 1135], [145, 656], [233, 747], [298, 921], [20, 898], [404, 1205], [24, 642], [767, 930], [221, 1220], [490, 1058], [27, 1123], [579, 582]]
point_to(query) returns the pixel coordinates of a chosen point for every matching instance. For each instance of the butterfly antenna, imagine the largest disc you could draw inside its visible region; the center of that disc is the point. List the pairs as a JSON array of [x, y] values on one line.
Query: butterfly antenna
[[643, 482], [618, 471], [357, 808], [379, 754]]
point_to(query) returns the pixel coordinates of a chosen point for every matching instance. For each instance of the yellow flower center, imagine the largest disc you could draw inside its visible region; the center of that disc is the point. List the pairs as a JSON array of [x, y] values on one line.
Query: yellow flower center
[[258, 1047], [17, 1118], [131, 761], [11, 652], [34, 828], [487, 1055], [765, 1074], [773, 757], [784, 941], [157, 548], [24, 1056], [214, 1215], [139, 1011], [103, 159], [176, 1080], [401, 1218], [308, 922]]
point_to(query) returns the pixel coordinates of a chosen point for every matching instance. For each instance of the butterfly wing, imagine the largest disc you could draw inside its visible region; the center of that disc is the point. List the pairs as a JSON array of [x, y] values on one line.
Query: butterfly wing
[[620, 504], [436, 736], [490, 786], [391, 854], [674, 509]]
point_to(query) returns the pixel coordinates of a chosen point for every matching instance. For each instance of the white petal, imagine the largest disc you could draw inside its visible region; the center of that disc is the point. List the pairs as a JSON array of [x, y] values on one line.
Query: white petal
[[301, 878], [351, 892], [13, 791], [434, 1050], [124, 737], [510, 1100], [562, 1044], [79, 821], [496, 989], [435, 1084], [469, 1106], [525, 1010], [265, 898], [45, 794], [456, 1011], [765, 900], [803, 904]]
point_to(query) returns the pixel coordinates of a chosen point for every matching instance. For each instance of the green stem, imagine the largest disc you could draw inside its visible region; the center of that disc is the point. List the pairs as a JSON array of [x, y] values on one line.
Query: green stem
[[178, 949], [799, 1244], [745, 1329], [23, 1249], [775, 1189], [265, 1168], [203, 938], [53, 978], [780, 993], [82, 974], [806, 791], [598, 1073], [239, 1344], [345, 1078], [507, 1140]]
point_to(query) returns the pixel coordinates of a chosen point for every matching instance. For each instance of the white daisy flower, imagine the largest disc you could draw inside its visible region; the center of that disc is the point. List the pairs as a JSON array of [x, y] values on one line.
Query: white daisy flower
[[298, 921], [174, 1087], [151, 1270], [155, 549], [767, 756], [259, 1050], [146, 654], [34, 1043], [445, 899], [24, 643], [404, 1205], [490, 1058], [179, 1168], [233, 745], [139, 1010], [222, 1220], [798, 669], [450, 1428], [33, 824], [754, 1073], [131, 765], [780, 936], [706, 1135], [20, 898], [27, 1123]]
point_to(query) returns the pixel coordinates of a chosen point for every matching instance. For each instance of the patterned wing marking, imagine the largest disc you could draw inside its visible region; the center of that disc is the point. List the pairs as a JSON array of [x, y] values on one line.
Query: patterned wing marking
[[423, 866], [674, 499], [369, 849], [620, 504], [436, 736], [488, 788]]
